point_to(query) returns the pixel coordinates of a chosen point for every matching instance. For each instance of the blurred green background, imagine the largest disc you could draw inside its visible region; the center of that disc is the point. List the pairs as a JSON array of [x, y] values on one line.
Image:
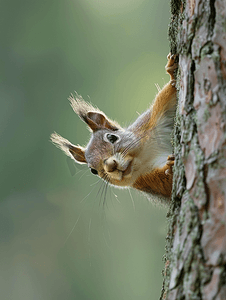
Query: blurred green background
[[58, 240]]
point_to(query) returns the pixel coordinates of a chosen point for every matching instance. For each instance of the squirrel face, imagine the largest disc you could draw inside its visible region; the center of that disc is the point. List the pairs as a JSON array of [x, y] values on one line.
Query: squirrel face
[[110, 155], [111, 152]]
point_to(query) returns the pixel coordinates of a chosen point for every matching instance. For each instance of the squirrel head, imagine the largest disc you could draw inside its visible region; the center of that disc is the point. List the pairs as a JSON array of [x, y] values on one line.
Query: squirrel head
[[111, 150]]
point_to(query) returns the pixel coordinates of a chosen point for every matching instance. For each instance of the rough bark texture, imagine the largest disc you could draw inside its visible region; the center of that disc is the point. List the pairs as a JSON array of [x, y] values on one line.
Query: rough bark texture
[[195, 260]]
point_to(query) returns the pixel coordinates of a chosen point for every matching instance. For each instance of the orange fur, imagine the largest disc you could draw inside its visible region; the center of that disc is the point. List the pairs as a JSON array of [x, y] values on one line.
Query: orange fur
[[157, 182], [163, 102]]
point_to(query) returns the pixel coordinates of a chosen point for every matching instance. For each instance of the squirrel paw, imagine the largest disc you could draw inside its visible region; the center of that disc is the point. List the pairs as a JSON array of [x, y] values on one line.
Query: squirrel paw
[[171, 66], [170, 164]]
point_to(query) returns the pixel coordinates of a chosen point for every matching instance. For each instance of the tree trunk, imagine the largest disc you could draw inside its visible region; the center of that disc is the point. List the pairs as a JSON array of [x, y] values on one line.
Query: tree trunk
[[195, 260]]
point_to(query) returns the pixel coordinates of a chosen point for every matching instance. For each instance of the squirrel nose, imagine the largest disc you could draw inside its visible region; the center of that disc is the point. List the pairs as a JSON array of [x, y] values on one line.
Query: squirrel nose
[[110, 165]]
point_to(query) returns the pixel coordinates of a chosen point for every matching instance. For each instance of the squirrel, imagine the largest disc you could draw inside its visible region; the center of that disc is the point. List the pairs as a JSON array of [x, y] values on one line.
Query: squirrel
[[139, 156]]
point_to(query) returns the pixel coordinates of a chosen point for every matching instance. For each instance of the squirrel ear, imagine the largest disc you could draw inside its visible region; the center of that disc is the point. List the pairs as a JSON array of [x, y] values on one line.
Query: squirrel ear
[[92, 116], [78, 153], [75, 152], [97, 120]]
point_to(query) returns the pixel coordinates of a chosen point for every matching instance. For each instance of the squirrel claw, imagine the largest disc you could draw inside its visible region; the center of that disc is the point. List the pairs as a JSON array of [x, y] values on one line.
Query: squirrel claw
[[171, 157], [171, 56], [171, 65], [170, 164]]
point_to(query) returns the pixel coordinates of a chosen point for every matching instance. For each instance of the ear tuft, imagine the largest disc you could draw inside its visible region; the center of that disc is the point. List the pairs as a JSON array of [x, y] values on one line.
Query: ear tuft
[[92, 116], [80, 107], [75, 152]]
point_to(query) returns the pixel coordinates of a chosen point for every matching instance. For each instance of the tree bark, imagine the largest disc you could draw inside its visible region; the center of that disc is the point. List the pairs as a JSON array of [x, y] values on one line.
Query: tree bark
[[195, 259]]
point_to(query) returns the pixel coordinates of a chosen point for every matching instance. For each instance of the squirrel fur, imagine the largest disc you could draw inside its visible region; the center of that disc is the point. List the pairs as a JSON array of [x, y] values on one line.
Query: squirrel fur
[[138, 156]]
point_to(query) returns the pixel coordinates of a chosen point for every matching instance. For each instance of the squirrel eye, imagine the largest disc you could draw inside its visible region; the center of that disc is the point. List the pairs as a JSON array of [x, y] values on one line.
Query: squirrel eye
[[112, 138], [93, 171]]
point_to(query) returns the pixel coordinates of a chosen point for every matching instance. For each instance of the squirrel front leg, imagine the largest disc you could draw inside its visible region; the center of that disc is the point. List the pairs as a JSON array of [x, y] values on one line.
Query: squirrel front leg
[[159, 181], [166, 98]]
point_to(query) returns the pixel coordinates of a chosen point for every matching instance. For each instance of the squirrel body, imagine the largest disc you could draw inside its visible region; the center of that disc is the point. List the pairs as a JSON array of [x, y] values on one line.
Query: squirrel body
[[138, 156]]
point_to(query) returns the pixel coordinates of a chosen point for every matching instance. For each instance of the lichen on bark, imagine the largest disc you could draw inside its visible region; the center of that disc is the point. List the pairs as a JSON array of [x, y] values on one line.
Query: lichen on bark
[[195, 259]]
